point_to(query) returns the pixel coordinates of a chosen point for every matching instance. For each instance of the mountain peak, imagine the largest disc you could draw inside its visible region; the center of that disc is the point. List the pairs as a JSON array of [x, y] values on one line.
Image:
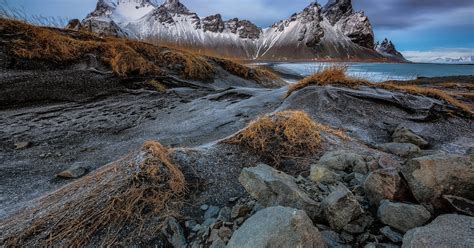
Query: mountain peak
[[387, 47], [174, 6], [335, 10]]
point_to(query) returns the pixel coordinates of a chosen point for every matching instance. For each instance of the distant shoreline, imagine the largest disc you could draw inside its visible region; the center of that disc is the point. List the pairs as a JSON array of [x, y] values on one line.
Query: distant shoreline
[[342, 61]]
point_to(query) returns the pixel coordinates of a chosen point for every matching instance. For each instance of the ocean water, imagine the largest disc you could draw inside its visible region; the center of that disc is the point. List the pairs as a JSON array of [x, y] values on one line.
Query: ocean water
[[378, 72]]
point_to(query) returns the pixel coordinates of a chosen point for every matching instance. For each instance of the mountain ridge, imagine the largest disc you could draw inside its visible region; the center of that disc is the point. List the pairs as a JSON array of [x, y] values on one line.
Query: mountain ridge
[[331, 32]]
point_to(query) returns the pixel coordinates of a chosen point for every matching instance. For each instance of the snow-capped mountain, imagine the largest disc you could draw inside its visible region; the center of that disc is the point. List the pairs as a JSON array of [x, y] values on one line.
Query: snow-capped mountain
[[334, 31], [387, 48], [459, 60]]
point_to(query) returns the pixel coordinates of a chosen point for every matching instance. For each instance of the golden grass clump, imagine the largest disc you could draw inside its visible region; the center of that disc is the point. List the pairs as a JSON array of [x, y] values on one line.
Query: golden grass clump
[[333, 75], [124, 57], [286, 134], [259, 74], [126, 201], [336, 75]]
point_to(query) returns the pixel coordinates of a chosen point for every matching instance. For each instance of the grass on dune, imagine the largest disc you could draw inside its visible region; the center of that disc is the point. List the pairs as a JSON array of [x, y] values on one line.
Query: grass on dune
[[336, 75], [283, 135], [125, 57], [119, 203]]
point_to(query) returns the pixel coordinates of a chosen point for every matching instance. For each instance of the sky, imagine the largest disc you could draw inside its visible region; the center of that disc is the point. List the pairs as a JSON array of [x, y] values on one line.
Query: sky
[[417, 27]]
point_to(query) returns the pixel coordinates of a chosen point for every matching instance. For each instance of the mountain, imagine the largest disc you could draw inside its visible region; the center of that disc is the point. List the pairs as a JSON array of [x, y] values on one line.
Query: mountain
[[387, 48], [333, 31], [459, 60]]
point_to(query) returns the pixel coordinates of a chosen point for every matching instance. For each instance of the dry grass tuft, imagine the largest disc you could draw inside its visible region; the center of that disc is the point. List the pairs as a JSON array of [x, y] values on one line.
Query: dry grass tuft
[[336, 75], [124, 57], [259, 74], [283, 135], [121, 202], [333, 75]]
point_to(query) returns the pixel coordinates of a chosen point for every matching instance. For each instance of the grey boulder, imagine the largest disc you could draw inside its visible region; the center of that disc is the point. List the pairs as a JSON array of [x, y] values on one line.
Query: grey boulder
[[400, 149], [405, 135], [402, 216], [321, 174], [385, 184], [343, 161], [431, 177], [278, 227], [340, 207], [271, 187], [450, 230], [75, 171]]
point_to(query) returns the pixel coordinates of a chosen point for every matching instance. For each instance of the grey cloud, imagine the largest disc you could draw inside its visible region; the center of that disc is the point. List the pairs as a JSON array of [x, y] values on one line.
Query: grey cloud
[[397, 14]]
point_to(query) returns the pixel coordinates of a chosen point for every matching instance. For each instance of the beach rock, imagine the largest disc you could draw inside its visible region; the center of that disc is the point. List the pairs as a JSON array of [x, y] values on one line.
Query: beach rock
[[354, 178], [402, 216], [386, 161], [322, 174], [271, 187], [217, 243], [343, 161], [333, 239], [450, 230], [240, 210], [277, 227], [174, 233], [385, 184], [391, 234], [432, 176], [460, 204], [381, 245], [400, 149], [340, 207], [75, 171], [22, 145], [225, 214], [405, 135], [359, 225], [211, 212], [225, 233]]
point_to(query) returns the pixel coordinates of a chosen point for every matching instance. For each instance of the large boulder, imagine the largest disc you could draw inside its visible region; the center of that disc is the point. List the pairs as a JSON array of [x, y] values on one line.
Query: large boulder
[[385, 184], [402, 216], [322, 174], [271, 187], [341, 207], [343, 161], [405, 135], [400, 149], [431, 177], [277, 227], [450, 230]]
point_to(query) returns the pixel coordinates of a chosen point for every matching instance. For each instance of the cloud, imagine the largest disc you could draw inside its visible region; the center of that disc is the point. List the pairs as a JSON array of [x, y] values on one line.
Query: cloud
[[262, 12], [443, 53], [399, 14]]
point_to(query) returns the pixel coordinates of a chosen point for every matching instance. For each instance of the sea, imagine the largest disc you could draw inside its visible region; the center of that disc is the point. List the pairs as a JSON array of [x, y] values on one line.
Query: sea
[[379, 72]]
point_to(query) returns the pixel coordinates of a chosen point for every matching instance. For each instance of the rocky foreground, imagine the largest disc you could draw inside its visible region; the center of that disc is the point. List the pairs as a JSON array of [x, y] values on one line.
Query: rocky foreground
[[389, 168]]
